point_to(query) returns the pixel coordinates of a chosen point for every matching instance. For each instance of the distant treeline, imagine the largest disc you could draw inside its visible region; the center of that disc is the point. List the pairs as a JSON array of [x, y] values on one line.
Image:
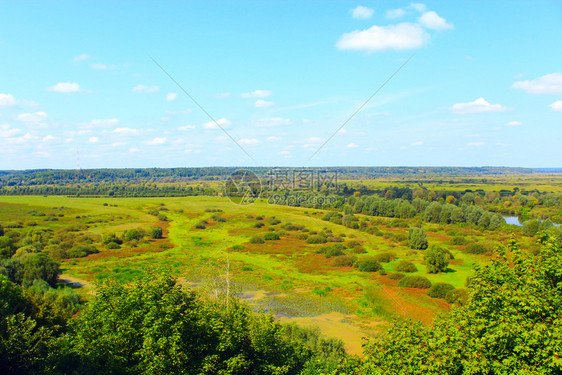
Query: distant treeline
[[60, 176]]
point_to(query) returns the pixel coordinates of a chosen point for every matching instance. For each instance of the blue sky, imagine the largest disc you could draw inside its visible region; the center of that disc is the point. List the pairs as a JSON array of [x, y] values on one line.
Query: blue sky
[[484, 85]]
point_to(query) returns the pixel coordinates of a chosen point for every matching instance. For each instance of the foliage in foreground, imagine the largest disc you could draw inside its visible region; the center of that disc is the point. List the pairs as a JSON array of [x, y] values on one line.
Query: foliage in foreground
[[511, 324]]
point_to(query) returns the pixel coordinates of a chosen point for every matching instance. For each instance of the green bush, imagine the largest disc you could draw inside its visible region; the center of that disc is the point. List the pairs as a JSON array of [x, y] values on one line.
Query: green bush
[[396, 276], [417, 239], [457, 296], [368, 264], [133, 234], [162, 217], [200, 225], [316, 239], [80, 251], [477, 248], [458, 241], [156, 233], [258, 225], [436, 259], [271, 236], [343, 261], [257, 240], [112, 245], [439, 290], [413, 281], [301, 236], [405, 266], [385, 257]]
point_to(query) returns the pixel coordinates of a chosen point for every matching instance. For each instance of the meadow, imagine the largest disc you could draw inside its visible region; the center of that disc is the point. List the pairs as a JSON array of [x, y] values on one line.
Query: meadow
[[208, 242]]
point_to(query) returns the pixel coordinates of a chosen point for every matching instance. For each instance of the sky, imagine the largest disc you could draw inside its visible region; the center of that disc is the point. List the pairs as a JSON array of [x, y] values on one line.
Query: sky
[[125, 84]]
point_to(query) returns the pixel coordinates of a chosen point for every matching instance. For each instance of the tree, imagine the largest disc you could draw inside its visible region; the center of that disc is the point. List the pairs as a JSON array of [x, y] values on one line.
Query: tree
[[156, 233], [436, 259], [510, 323], [417, 239]]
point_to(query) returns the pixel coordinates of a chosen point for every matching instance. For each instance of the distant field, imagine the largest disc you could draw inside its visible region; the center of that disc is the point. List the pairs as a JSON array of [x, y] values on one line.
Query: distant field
[[286, 276]]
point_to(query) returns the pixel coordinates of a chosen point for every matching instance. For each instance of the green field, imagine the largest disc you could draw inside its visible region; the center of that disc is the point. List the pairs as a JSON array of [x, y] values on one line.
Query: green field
[[286, 277]]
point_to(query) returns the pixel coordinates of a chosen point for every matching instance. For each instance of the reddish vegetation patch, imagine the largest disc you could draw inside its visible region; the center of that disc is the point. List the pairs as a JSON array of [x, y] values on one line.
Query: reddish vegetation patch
[[456, 262], [440, 237], [312, 263]]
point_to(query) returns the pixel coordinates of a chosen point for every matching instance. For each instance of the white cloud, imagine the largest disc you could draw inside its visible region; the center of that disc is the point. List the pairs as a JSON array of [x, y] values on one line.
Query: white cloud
[[480, 105], [82, 57], [257, 94], [418, 6], [315, 139], [260, 103], [556, 106], [395, 13], [32, 118], [224, 123], [361, 12], [433, 21], [284, 152], [380, 38], [6, 131], [118, 144], [65, 87], [273, 138], [514, 123], [93, 140], [7, 100], [171, 96], [133, 150], [272, 122], [125, 131], [157, 141], [475, 144], [248, 141], [547, 84], [186, 127], [342, 131], [352, 145], [104, 123], [99, 66], [418, 143], [145, 89], [49, 138], [223, 95]]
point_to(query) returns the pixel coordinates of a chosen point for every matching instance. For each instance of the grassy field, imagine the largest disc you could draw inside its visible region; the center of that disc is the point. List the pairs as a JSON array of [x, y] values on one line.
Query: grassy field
[[286, 277]]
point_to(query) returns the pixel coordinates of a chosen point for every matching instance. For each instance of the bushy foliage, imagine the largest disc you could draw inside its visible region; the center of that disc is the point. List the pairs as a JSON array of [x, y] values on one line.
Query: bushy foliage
[[343, 261], [316, 239], [510, 323], [405, 266], [257, 240], [396, 276], [436, 259], [385, 257], [477, 248], [457, 296], [417, 239], [368, 264], [413, 281], [271, 236], [156, 233], [439, 290]]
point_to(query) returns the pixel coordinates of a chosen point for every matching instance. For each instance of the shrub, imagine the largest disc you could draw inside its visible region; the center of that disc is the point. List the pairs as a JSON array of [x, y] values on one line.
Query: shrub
[[301, 236], [112, 245], [316, 239], [358, 250], [153, 212], [219, 219], [476, 248], [405, 266], [412, 281], [385, 257], [458, 241], [257, 240], [111, 237], [133, 234], [439, 290], [162, 217], [274, 221], [457, 295], [258, 225], [396, 276], [436, 259], [343, 261], [156, 233], [80, 251], [271, 236], [200, 225], [417, 239], [368, 264]]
